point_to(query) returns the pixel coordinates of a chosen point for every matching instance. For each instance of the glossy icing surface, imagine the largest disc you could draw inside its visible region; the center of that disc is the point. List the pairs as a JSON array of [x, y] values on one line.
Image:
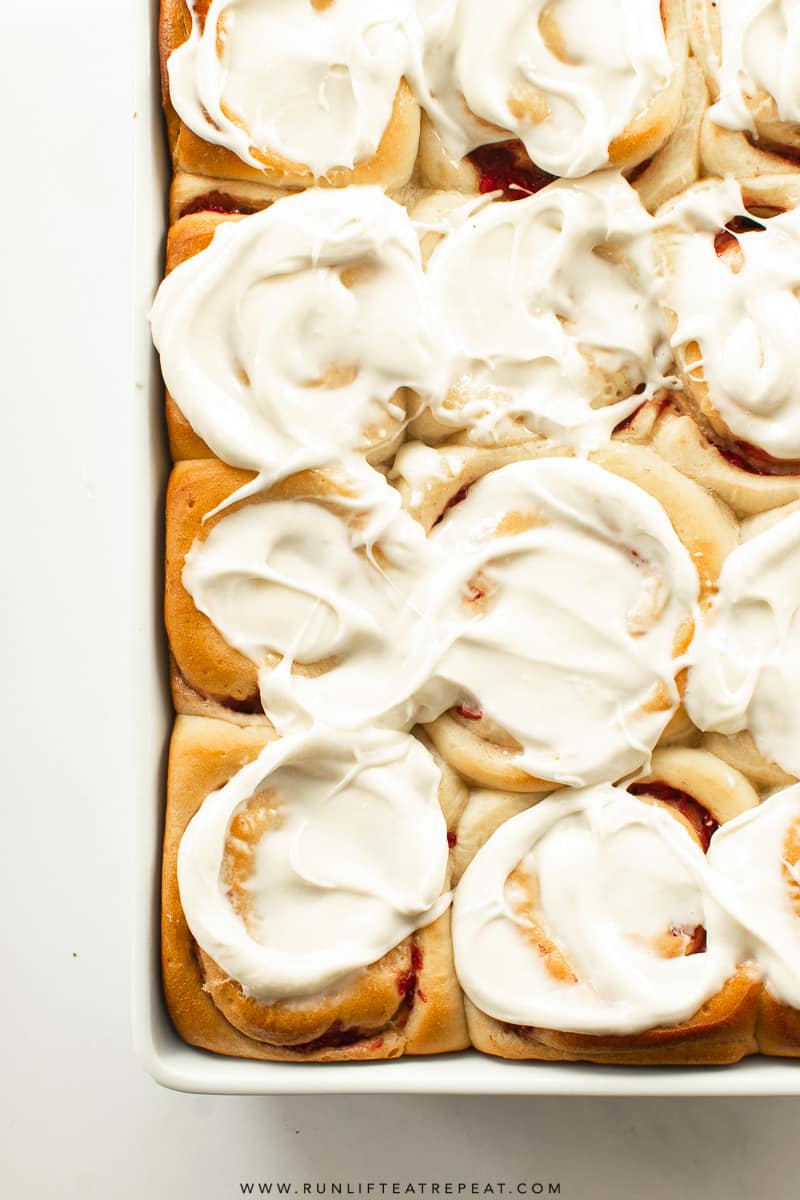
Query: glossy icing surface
[[312, 82], [741, 308], [746, 655], [549, 315], [577, 913], [565, 78], [760, 49], [350, 860]]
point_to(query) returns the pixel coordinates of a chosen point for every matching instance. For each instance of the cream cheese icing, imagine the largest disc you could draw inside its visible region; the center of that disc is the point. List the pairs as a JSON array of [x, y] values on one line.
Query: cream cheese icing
[[743, 315], [565, 77], [286, 341], [760, 49], [354, 861], [312, 82], [764, 888], [745, 671], [557, 920], [297, 580], [549, 313], [584, 591], [585, 688]]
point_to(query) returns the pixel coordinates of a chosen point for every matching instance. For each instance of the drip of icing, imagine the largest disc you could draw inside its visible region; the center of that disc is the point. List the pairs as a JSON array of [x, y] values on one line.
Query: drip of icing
[[502, 63], [354, 863], [284, 343], [585, 586], [610, 876], [549, 312], [746, 655], [760, 49], [748, 853], [314, 83], [746, 321], [296, 579]]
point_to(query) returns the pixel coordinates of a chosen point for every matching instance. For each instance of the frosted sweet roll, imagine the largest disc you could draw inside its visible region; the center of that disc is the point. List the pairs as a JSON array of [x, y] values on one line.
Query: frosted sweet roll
[[290, 91], [733, 294], [750, 53], [483, 532], [565, 603], [291, 600], [312, 882], [759, 856], [587, 927], [546, 315], [581, 85], [746, 656], [288, 340]]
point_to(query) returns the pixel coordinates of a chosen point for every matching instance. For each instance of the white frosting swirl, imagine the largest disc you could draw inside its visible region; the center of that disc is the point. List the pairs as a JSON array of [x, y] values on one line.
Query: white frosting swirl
[[746, 656], [585, 686], [609, 877], [355, 863], [585, 586], [760, 48], [295, 579], [285, 341], [764, 889], [566, 102], [312, 82], [746, 320], [549, 312]]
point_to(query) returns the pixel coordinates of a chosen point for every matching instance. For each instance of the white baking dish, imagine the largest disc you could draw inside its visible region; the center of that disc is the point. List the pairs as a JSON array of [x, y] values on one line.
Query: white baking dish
[[169, 1060]]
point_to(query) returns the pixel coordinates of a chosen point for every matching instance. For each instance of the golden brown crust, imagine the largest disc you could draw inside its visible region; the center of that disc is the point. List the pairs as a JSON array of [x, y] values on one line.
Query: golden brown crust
[[191, 194], [722, 1031], [778, 1028], [201, 656], [203, 664], [649, 131], [408, 1003], [391, 165], [187, 237], [174, 25]]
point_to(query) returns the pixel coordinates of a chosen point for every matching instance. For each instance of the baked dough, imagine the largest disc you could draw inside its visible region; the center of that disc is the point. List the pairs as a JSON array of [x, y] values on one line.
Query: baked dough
[[406, 1003]]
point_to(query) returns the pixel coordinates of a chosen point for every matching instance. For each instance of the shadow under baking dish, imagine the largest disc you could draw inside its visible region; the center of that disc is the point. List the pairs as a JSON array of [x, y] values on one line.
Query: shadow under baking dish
[[162, 1053]]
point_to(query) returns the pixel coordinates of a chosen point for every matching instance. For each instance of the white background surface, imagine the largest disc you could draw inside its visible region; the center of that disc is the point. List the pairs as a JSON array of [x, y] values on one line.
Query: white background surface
[[78, 1118]]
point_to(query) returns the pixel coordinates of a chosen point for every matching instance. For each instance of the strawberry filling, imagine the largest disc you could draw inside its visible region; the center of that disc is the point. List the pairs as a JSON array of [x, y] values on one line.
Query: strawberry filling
[[460, 495], [756, 461], [216, 202], [741, 454], [333, 1037], [469, 712], [407, 981], [696, 814], [251, 705], [505, 167], [696, 936]]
